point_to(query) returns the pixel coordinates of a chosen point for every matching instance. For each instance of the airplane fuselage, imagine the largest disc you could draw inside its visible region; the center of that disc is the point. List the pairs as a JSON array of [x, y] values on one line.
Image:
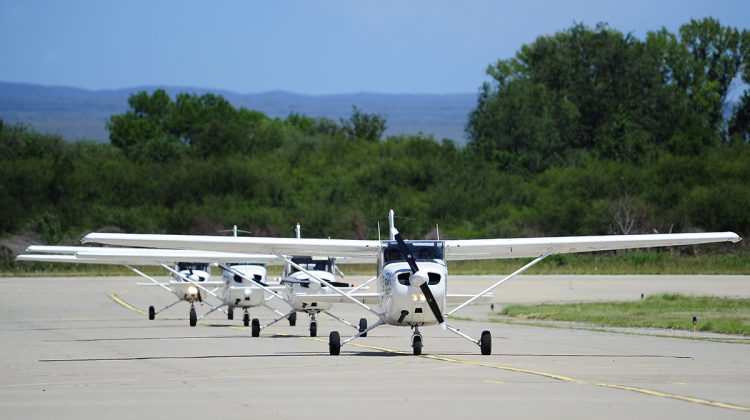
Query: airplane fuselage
[[185, 290], [403, 303], [240, 292], [312, 287]]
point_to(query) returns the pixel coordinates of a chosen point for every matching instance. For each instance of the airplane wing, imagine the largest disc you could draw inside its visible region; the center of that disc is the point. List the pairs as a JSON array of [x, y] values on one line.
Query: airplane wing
[[479, 249], [54, 258], [472, 249], [137, 256], [243, 244]]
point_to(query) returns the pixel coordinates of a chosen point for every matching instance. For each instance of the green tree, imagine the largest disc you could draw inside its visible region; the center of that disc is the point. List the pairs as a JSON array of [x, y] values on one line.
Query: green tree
[[143, 131], [364, 126]]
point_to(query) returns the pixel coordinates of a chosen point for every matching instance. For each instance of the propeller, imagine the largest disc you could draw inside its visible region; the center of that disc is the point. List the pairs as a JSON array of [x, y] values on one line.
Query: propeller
[[419, 278]]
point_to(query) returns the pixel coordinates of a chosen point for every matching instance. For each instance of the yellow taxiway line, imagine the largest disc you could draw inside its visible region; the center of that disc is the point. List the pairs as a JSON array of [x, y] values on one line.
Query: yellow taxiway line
[[548, 375], [126, 305]]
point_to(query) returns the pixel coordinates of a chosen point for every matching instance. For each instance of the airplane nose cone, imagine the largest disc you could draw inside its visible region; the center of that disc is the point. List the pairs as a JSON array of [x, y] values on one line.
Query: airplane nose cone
[[419, 278]]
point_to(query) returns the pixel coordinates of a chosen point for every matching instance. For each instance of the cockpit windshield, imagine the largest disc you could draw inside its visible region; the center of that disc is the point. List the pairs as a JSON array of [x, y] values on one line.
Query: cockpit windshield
[[244, 264], [421, 250], [184, 266], [313, 264]]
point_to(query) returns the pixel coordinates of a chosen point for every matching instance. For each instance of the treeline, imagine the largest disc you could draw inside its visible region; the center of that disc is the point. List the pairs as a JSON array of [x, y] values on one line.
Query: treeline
[[576, 135]]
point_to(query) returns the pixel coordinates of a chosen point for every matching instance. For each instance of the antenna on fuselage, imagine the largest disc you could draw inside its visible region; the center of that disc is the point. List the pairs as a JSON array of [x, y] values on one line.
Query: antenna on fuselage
[[437, 231], [234, 230], [392, 226], [298, 230]]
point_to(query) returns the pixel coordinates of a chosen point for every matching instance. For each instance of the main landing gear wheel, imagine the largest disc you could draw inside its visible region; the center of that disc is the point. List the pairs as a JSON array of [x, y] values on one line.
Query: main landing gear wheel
[[416, 344], [485, 343], [256, 327], [362, 326], [334, 343], [193, 317], [292, 319], [246, 319], [151, 313], [230, 313], [313, 329]]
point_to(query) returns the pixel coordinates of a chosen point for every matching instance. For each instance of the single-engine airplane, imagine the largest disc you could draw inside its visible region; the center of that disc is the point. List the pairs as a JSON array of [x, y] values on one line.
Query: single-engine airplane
[[242, 285], [308, 295], [412, 277]]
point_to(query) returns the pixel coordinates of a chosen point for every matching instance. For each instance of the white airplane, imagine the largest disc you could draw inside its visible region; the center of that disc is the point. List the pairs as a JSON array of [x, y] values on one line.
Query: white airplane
[[308, 295], [412, 277], [242, 286]]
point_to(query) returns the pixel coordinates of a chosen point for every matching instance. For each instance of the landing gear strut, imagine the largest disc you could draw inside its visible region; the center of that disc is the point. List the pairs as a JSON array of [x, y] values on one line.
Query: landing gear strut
[[246, 318]]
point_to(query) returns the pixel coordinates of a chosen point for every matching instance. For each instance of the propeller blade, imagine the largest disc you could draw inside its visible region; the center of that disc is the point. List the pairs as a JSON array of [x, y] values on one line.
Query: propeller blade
[[432, 302], [406, 254], [425, 288]]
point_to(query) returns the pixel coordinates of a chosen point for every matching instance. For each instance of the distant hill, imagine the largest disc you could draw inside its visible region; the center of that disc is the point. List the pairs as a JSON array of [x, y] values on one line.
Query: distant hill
[[77, 114]]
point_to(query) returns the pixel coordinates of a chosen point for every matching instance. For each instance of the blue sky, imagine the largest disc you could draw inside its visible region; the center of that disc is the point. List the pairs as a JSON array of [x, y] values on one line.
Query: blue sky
[[313, 47]]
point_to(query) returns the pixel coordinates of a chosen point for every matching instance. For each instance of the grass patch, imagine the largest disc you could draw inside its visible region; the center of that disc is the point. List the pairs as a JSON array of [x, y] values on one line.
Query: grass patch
[[670, 311], [624, 262]]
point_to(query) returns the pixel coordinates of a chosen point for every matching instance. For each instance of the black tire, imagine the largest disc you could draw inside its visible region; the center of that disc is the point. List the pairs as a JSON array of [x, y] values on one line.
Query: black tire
[[246, 320], [334, 343], [193, 317], [362, 326], [292, 319], [485, 343], [151, 313], [313, 329], [230, 313], [416, 345], [256, 327]]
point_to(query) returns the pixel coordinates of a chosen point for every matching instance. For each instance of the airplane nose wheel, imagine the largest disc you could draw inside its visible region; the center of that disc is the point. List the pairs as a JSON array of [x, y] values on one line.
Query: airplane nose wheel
[[246, 319], [313, 326], [293, 319], [151, 313], [193, 316], [416, 341], [230, 313]]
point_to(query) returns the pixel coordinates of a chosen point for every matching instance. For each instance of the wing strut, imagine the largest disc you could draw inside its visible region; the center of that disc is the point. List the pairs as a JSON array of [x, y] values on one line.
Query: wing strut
[[373, 278], [510, 276], [140, 273]]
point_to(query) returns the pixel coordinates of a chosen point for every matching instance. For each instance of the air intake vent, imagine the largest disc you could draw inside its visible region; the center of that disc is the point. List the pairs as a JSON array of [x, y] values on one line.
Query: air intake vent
[[434, 278], [403, 278]]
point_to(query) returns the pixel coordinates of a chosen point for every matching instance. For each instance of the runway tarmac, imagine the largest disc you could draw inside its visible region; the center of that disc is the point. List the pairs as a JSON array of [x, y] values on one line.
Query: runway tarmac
[[81, 348]]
